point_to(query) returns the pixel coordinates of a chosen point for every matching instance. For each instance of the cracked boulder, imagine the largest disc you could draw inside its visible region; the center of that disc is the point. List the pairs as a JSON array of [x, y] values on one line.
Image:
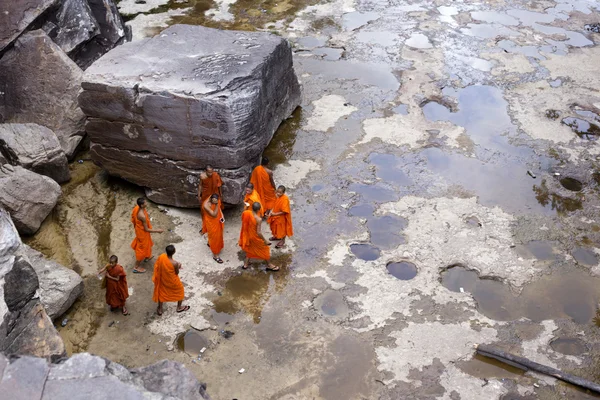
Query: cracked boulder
[[17, 15], [92, 377], [39, 84], [25, 328], [35, 148], [75, 25], [27, 196], [59, 285], [161, 109]]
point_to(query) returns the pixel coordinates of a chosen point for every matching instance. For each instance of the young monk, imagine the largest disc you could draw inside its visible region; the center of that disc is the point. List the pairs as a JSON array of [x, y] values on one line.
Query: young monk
[[252, 197], [210, 183], [214, 223], [142, 244], [252, 240], [280, 218], [262, 179], [167, 285], [117, 290]]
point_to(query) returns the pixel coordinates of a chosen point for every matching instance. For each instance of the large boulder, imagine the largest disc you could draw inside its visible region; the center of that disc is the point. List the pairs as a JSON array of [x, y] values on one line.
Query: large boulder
[[75, 25], [36, 148], [40, 85], [59, 285], [161, 109], [84, 376], [25, 328], [27, 196], [17, 15]]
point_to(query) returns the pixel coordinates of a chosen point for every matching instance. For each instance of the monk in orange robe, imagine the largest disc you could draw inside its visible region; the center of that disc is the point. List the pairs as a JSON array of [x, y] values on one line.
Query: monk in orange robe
[[142, 244], [210, 183], [252, 197], [117, 290], [262, 179], [214, 223], [252, 240], [167, 285], [280, 218]]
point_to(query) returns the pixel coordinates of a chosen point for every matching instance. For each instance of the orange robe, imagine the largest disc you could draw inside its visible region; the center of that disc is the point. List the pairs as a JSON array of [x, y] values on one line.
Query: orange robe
[[252, 198], [167, 285], [250, 242], [281, 225], [214, 227], [262, 184], [116, 291], [210, 186], [142, 244]]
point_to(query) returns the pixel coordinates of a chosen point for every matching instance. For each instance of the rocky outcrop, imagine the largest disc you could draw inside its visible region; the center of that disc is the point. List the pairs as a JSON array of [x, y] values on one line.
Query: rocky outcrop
[[92, 377], [27, 196], [41, 85], [75, 26], [17, 15], [35, 148], [25, 328], [59, 285], [162, 109]]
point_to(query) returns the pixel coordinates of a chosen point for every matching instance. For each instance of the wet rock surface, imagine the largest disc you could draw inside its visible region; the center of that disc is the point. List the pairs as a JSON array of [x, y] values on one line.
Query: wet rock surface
[[40, 85], [27, 196], [223, 109], [36, 148], [29, 377]]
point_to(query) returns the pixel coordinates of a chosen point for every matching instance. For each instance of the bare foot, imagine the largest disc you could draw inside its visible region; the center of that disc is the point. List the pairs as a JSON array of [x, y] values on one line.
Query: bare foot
[[272, 267], [139, 270]]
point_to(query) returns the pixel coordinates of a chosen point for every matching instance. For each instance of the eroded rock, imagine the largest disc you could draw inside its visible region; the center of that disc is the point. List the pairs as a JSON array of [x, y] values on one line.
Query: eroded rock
[[35, 148], [59, 285], [27, 196], [17, 15], [30, 377], [161, 110], [40, 85]]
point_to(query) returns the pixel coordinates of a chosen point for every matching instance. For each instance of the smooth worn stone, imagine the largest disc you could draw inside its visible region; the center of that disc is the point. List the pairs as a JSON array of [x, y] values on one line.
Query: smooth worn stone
[[188, 97], [27, 196], [36, 148], [106, 387], [17, 15], [24, 378], [41, 84], [80, 366], [59, 285], [20, 284], [170, 378], [76, 25]]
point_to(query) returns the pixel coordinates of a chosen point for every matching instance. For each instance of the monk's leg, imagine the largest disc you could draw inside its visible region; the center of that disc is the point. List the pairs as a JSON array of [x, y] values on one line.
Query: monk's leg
[[246, 261], [181, 307], [281, 243], [271, 267], [124, 309], [159, 310], [137, 267]]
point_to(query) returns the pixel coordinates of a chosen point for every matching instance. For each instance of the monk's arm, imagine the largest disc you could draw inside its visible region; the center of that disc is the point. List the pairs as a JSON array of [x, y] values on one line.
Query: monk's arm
[[176, 267], [211, 212], [143, 219], [113, 278], [270, 173], [259, 233]]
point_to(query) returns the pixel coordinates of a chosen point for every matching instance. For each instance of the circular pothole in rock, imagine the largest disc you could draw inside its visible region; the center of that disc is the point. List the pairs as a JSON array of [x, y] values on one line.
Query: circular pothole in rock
[[402, 270], [364, 251], [569, 346], [473, 221], [331, 304], [571, 184], [191, 342]]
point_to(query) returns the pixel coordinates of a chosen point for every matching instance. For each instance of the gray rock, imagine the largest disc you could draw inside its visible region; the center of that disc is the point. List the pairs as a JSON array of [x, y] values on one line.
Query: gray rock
[[20, 285], [9, 239], [41, 84], [36, 148], [186, 98], [76, 25], [17, 15], [27, 196], [84, 377], [59, 286]]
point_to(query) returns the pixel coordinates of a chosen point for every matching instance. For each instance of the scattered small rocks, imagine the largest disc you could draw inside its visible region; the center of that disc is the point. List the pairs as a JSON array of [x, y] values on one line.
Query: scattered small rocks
[[593, 27]]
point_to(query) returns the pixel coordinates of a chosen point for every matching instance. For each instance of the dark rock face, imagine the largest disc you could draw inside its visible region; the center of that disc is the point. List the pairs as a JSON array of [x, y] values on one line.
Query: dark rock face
[[17, 15], [75, 26], [162, 109], [41, 85], [92, 377], [27, 196], [36, 148], [24, 325]]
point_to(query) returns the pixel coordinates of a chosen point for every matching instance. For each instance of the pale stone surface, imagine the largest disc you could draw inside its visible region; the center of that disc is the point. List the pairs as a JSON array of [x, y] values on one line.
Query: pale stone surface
[[327, 111], [36, 148], [177, 101]]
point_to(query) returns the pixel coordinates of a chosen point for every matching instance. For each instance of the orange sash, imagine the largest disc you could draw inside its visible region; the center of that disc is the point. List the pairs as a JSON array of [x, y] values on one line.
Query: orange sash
[[142, 244], [167, 285], [252, 198], [250, 242], [214, 227], [262, 184], [281, 225], [210, 186]]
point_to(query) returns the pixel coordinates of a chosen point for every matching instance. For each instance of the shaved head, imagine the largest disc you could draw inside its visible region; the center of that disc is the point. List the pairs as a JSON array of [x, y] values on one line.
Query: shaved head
[[256, 206]]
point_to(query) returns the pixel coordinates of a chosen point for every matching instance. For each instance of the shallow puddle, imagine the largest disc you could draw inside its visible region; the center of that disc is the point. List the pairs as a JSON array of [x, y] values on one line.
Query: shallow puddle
[[390, 169], [555, 201], [331, 303], [539, 249], [385, 231], [486, 367], [355, 20], [571, 184], [281, 147], [569, 346], [582, 128], [365, 252], [570, 294], [402, 270], [585, 256], [361, 210], [375, 193], [191, 342]]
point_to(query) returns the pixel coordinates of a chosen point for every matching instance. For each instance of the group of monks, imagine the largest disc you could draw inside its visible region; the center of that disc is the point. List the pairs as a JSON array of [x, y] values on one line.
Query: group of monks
[[262, 201]]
